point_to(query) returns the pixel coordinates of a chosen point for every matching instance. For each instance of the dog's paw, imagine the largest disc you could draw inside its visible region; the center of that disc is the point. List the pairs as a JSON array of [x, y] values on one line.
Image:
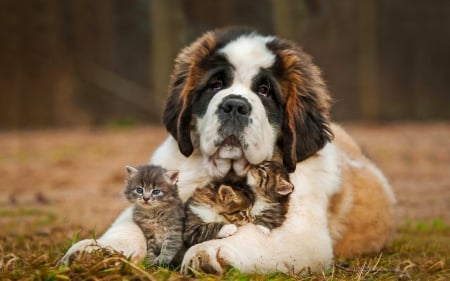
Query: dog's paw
[[83, 246], [212, 259], [227, 230]]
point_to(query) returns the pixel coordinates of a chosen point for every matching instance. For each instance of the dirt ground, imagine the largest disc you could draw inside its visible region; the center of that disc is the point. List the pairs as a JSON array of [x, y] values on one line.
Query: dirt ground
[[76, 175]]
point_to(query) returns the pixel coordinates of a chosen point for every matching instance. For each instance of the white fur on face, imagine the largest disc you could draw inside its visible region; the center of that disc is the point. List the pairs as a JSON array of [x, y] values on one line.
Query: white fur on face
[[258, 137], [248, 55]]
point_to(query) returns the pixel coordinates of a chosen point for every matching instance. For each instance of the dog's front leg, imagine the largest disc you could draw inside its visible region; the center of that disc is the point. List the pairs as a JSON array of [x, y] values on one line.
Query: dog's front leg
[[123, 236], [251, 251]]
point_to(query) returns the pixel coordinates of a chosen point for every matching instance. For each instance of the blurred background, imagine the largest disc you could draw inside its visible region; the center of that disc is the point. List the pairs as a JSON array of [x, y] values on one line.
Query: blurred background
[[93, 63], [83, 84]]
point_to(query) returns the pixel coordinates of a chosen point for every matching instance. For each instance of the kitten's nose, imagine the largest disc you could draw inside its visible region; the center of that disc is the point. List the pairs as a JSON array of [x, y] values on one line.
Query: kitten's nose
[[146, 199]]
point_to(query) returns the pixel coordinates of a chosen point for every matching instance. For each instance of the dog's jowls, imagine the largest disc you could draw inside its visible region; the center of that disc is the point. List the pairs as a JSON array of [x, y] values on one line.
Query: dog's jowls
[[237, 98]]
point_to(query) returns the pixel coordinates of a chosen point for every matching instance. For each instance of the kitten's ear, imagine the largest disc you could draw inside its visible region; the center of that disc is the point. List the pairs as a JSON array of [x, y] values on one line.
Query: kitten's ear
[[284, 187], [132, 171], [171, 176], [226, 194]]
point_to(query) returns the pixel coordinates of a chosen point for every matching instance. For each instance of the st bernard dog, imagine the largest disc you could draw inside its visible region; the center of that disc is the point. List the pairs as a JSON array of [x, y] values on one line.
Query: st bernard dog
[[237, 98]]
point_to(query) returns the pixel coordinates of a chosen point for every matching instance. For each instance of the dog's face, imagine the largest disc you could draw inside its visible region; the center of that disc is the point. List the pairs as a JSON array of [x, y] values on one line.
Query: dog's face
[[239, 97]]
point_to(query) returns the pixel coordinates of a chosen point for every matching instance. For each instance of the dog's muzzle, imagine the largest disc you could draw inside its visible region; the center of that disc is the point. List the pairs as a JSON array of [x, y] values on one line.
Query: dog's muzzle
[[234, 116]]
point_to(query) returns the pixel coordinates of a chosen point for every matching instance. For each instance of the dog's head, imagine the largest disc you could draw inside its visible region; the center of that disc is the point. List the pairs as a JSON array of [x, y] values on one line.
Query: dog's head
[[238, 96]]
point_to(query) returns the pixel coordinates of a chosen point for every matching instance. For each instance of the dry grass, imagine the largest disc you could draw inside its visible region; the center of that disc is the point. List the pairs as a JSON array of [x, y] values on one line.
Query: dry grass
[[420, 252], [61, 186]]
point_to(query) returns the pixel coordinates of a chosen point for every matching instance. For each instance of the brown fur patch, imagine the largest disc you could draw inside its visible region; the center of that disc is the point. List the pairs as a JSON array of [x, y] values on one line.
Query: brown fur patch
[[361, 214], [343, 140], [186, 76], [191, 58], [289, 86], [306, 110]]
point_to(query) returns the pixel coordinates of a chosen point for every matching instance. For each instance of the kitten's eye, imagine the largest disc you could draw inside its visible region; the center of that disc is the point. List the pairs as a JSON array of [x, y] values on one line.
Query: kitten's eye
[[264, 89], [156, 192], [139, 190]]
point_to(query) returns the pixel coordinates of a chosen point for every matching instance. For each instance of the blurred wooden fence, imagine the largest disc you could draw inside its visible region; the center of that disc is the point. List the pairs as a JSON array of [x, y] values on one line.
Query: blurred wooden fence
[[84, 62]]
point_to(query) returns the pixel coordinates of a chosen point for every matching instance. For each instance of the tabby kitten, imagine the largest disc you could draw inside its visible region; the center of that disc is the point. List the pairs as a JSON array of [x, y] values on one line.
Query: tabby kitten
[[216, 210], [270, 182], [157, 210]]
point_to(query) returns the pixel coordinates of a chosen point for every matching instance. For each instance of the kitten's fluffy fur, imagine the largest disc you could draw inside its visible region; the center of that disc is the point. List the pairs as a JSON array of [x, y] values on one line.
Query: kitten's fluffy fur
[[158, 211], [270, 182], [217, 209]]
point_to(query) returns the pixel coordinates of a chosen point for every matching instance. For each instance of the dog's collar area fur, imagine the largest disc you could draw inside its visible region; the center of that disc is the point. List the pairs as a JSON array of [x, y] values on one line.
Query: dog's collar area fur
[[227, 159]]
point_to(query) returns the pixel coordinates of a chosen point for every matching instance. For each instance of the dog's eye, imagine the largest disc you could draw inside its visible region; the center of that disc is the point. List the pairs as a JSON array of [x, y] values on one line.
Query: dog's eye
[[216, 84], [264, 89]]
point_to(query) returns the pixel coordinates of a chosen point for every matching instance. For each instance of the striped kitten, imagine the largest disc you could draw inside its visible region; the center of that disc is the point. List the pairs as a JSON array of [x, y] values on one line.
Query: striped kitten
[[270, 183], [216, 210], [157, 210]]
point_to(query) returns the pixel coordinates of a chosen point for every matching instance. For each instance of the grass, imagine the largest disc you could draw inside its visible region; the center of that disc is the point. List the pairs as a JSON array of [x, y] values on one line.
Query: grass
[[420, 251], [53, 180]]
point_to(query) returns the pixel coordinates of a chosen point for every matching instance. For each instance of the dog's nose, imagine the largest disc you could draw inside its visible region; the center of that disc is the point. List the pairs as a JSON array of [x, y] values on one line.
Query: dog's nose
[[236, 106]]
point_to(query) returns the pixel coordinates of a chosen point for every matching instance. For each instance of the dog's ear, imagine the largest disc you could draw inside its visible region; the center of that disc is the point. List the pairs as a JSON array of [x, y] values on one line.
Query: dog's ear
[[306, 127], [177, 114]]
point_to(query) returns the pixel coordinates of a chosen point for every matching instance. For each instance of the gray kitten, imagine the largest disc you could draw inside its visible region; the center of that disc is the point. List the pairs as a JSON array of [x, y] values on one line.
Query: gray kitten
[[157, 210]]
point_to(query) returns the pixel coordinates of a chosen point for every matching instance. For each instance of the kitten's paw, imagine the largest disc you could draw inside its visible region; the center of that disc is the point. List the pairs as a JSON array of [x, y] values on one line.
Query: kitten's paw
[[212, 259], [227, 230], [161, 261], [263, 229]]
